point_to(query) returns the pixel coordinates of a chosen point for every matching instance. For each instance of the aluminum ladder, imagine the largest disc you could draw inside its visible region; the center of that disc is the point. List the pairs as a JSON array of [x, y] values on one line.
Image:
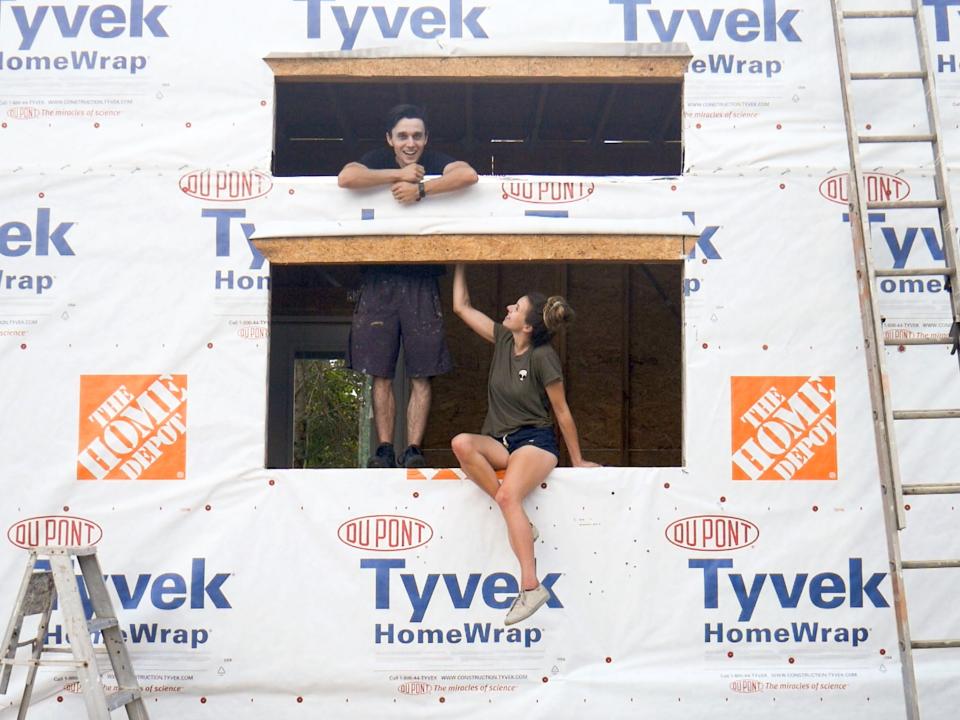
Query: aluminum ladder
[[38, 593], [884, 414]]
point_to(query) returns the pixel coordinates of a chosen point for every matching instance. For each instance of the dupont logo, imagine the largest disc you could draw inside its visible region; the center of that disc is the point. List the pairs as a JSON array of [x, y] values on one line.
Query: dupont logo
[[784, 428], [415, 688], [385, 533], [746, 686], [712, 533], [23, 112], [226, 185], [132, 427], [54, 531], [881, 187], [547, 192], [253, 332]]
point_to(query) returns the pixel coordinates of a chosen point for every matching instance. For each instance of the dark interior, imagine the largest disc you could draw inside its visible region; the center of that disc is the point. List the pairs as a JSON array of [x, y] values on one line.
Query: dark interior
[[500, 128], [622, 357]]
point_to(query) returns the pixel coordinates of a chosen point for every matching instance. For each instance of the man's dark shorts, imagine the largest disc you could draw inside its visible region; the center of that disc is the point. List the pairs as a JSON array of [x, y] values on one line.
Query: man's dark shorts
[[394, 307]]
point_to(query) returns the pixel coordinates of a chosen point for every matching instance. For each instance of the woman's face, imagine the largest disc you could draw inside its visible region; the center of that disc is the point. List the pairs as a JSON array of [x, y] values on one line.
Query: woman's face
[[516, 317]]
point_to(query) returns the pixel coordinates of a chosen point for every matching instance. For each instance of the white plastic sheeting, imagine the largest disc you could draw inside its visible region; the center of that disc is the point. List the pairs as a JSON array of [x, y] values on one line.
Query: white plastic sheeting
[[133, 331]]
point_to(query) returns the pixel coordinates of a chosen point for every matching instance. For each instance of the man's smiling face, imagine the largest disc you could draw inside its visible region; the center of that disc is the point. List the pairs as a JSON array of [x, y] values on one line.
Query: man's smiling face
[[408, 139]]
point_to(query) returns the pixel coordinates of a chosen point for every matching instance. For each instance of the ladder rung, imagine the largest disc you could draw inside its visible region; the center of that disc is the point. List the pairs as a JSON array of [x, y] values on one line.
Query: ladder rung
[[44, 661], [905, 204], [69, 551], [934, 644], [893, 75], [896, 138], [925, 414], [920, 341], [98, 624], [862, 14], [914, 272], [929, 564], [932, 489], [121, 698]]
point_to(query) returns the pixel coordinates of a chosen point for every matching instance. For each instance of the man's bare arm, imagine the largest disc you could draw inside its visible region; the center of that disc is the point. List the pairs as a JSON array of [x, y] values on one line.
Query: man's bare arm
[[456, 175], [357, 177]]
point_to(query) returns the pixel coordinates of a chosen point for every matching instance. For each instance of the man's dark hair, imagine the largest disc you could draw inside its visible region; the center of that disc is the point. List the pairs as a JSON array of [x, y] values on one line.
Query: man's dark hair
[[399, 112]]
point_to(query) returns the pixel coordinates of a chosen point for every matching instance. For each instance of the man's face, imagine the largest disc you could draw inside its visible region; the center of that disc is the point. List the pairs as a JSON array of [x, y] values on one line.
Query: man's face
[[408, 139]]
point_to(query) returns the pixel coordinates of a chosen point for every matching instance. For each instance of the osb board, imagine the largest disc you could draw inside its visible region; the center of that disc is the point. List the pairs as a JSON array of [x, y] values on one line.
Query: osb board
[[373, 249], [499, 69], [656, 368]]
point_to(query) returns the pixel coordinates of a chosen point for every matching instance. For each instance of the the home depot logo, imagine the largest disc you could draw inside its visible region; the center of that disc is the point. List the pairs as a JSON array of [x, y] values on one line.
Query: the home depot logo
[[132, 427], [784, 428]]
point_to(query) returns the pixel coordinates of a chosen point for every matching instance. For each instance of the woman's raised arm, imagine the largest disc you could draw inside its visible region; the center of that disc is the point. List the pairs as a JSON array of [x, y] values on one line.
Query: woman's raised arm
[[475, 320]]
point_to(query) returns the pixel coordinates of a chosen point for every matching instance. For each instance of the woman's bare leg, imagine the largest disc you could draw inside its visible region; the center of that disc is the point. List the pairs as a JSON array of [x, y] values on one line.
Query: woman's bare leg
[[480, 457], [526, 468]]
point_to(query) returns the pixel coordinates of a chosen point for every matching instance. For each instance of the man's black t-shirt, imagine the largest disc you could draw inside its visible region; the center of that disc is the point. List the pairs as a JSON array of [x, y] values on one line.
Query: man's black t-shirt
[[433, 164], [386, 159]]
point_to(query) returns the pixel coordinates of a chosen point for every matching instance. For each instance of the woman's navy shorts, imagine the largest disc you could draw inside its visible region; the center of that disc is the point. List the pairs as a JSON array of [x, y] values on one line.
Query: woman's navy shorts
[[539, 437]]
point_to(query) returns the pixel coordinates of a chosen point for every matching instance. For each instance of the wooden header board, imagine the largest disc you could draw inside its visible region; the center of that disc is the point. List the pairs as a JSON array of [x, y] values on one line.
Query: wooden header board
[[374, 249], [645, 69]]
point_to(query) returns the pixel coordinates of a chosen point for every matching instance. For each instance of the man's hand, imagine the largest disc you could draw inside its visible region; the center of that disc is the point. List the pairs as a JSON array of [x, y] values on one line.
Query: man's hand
[[406, 193], [411, 173]]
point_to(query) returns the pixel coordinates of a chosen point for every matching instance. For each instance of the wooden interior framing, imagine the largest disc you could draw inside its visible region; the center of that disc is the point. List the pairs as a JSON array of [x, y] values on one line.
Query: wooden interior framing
[[622, 357], [378, 249], [588, 116]]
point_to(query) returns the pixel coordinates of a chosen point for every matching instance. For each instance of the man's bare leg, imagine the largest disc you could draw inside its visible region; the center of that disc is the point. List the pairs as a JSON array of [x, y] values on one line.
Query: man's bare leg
[[384, 408], [384, 413], [418, 410]]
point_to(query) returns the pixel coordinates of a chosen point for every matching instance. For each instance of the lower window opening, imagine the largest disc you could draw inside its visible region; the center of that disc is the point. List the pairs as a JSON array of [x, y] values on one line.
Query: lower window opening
[[622, 363]]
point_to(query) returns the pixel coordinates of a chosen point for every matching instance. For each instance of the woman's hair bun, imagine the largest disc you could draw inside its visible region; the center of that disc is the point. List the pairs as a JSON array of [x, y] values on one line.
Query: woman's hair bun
[[556, 312]]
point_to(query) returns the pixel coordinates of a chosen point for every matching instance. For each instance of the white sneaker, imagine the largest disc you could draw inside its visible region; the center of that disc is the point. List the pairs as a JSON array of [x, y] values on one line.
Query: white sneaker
[[526, 604], [536, 533]]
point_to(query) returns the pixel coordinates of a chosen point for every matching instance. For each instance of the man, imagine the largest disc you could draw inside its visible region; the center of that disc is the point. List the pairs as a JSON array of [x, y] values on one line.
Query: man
[[401, 303]]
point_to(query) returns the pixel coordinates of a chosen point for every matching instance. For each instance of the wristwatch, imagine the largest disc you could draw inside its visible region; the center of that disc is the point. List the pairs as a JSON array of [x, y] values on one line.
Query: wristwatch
[[421, 191]]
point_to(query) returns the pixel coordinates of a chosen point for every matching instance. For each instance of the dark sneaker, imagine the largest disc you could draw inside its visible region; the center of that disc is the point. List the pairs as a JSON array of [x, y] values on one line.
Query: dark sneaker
[[383, 457], [412, 458]]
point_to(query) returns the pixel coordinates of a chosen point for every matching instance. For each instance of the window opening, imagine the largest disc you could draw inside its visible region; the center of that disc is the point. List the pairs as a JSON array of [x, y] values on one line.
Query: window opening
[[530, 128], [622, 357]]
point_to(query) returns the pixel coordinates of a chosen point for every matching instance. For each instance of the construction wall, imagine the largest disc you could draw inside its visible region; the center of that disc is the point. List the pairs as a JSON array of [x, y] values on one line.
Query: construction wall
[[134, 166]]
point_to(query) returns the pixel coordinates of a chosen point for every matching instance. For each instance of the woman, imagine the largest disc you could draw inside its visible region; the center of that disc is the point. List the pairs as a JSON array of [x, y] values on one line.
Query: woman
[[525, 382]]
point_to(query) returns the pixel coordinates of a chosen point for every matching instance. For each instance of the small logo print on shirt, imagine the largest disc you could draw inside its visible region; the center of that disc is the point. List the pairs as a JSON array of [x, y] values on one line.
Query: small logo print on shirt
[[523, 375]]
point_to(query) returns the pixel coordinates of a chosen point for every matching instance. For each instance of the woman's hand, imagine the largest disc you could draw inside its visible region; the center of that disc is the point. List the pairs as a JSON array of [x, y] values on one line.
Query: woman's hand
[[585, 464]]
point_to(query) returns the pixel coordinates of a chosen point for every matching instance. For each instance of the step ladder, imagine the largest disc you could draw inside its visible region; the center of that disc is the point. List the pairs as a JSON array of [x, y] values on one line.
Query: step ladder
[[884, 414], [38, 592]]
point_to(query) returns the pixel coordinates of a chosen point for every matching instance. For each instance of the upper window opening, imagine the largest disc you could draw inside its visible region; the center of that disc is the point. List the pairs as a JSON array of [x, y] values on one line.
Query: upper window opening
[[502, 128]]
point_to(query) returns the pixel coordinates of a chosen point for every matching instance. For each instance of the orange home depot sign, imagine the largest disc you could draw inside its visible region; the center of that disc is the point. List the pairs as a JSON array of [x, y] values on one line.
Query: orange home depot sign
[[784, 428], [132, 427]]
